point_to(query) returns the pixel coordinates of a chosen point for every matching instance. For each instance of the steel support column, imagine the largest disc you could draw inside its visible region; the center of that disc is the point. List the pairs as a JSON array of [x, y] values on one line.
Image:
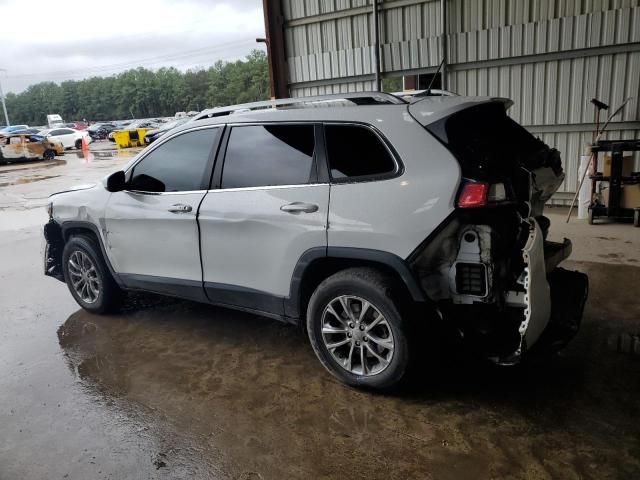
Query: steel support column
[[274, 30], [376, 46], [443, 41]]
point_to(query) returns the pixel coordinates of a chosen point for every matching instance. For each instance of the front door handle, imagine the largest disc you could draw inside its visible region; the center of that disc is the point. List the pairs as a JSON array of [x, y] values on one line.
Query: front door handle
[[299, 207], [180, 208]]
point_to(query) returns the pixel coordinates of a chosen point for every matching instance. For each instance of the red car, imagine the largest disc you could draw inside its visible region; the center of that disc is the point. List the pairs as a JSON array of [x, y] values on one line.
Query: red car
[[77, 125]]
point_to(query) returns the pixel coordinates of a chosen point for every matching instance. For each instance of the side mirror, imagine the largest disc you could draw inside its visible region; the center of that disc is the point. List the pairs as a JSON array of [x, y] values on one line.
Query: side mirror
[[147, 183], [116, 182]]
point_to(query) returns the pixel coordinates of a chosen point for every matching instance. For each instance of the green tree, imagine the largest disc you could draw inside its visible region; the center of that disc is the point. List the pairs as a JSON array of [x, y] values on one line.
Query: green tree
[[143, 93]]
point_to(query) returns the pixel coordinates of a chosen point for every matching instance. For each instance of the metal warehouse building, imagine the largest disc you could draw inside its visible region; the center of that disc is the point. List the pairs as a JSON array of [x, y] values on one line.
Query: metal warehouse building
[[550, 57]]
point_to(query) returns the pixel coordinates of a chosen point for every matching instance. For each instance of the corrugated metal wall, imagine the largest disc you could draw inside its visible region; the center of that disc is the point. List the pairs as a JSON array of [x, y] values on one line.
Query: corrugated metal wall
[[550, 57]]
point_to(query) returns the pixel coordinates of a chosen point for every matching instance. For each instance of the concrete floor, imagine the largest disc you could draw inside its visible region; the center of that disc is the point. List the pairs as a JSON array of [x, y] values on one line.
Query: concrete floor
[[171, 389]]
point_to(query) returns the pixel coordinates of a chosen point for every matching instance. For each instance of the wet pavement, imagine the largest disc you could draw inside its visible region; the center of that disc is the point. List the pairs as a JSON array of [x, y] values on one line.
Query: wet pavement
[[172, 389]]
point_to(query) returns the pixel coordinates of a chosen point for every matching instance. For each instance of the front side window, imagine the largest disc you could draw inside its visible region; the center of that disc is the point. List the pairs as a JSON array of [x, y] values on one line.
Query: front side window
[[178, 165], [264, 155], [356, 152]]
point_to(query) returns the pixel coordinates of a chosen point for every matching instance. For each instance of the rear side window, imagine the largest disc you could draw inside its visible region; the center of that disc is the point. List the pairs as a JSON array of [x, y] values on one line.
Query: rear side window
[[263, 155], [179, 165], [356, 152]]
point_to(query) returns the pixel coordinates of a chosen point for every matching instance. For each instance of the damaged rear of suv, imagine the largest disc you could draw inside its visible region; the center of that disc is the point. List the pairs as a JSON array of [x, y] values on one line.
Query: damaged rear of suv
[[356, 216], [490, 268]]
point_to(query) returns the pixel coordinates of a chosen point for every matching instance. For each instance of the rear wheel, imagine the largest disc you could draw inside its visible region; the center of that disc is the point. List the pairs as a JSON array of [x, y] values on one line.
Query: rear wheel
[[88, 276], [356, 329], [49, 155], [78, 144]]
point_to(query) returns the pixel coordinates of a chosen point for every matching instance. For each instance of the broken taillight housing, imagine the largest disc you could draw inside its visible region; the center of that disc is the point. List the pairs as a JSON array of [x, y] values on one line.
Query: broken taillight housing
[[497, 193], [481, 194]]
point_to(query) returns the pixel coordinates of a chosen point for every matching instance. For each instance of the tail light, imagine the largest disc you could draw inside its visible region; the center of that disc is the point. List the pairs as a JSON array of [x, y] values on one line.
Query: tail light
[[481, 194], [473, 195]]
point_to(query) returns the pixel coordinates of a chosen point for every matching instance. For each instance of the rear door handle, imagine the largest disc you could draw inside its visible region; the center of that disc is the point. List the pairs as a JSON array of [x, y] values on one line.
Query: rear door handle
[[180, 208], [299, 207]]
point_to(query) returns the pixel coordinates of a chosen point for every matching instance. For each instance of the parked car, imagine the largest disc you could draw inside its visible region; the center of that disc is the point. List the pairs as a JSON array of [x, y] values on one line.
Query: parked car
[[27, 131], [133, 126], [15, 147], [76, 125], [100, 131], [364, 221], [153, 135], [13, 128], [69, 137]]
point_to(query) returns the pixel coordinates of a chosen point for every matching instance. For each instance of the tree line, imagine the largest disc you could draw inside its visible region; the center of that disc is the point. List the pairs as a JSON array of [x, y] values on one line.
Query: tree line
[[143, 93]]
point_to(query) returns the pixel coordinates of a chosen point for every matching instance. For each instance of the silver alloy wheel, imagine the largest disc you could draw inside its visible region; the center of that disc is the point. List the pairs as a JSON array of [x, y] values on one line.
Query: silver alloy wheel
[[357, 335], [84, 276]]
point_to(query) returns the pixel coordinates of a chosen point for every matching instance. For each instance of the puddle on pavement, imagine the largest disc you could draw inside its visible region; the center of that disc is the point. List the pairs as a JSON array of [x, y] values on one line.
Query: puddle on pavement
[[30, 179], [251, 394], [107, 154]]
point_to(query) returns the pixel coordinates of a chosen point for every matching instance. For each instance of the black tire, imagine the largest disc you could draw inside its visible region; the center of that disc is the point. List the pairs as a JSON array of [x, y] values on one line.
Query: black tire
[[78, 144], [590, 217], [379, 290], [109, 297], [636, 217], [49, 155]]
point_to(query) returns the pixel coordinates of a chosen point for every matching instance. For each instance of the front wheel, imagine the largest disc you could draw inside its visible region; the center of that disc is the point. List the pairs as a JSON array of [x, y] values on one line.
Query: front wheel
[[88, 276], [356, 329], [49, 155]]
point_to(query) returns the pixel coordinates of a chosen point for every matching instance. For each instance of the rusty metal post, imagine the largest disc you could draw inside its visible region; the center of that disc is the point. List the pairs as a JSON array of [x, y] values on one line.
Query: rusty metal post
[[376, 46], [276, 55]]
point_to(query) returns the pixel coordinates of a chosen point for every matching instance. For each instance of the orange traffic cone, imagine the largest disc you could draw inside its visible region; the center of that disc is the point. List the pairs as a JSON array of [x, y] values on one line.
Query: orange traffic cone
[[85, 149]]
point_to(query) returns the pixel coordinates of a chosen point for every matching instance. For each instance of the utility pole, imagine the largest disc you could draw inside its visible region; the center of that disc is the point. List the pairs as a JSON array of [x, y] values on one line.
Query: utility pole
[[4, 106]]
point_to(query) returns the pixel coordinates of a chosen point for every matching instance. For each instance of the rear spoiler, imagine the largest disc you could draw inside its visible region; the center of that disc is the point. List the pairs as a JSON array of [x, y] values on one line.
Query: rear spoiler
[[432, 109]]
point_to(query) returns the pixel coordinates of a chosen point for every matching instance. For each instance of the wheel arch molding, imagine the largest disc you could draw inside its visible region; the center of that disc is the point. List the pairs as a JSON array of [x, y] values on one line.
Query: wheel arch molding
[[318, 263]]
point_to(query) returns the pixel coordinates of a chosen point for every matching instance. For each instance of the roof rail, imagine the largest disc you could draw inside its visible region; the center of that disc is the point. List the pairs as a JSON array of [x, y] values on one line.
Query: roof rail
[[360, 98]]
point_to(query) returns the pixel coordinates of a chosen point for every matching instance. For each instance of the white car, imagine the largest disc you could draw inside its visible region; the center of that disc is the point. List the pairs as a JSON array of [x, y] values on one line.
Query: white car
[[69, 137], [365, 221]]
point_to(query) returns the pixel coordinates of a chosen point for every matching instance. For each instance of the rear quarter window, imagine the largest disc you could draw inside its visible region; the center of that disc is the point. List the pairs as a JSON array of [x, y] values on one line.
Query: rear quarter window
[[357, 153]]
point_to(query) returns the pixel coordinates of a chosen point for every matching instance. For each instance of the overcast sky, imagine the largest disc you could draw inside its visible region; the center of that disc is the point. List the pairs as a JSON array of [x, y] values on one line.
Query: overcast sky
[[72, 39]]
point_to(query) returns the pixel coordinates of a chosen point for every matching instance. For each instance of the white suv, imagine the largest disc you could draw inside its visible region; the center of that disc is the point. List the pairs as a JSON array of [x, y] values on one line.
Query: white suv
[[358, 216]]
